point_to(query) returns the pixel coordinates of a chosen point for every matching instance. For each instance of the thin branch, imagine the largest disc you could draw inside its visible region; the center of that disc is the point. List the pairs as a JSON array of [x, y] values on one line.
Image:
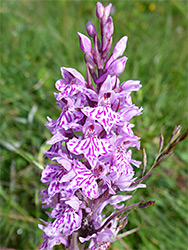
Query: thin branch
[[116, 214], [129, 232]]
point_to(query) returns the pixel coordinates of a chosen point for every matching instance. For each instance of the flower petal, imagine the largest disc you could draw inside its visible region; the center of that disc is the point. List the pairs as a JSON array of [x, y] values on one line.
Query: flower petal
[[104, 115]]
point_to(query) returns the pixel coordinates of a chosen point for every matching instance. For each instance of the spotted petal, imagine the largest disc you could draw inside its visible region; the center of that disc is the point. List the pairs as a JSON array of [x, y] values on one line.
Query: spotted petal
[[69, 116], [67, 91], [90, 147], [51, 237], [55, 187], [85, 180], [90, 94], [104, 115], [72, 75], [69, 221], [52, 172]]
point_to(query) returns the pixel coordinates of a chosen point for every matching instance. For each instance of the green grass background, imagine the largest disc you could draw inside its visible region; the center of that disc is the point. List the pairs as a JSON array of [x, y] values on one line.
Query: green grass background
[[37, 38]]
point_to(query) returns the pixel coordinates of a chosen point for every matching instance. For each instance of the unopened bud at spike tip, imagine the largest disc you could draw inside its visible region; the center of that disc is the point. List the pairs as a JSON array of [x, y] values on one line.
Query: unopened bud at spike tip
[[108, 28], [106, 13], [91, 30], [99, 10]]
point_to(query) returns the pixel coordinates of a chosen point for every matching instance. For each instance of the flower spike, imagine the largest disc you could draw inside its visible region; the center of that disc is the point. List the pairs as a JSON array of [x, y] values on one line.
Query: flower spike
[[90, 145]]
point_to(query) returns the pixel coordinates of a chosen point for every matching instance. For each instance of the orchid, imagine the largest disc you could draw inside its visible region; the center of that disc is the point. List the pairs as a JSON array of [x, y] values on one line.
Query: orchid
[[90, 147]]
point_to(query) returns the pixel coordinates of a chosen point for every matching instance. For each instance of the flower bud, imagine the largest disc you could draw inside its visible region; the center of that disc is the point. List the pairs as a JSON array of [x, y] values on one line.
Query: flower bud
[[107, 35], [120, 47], [130, 86], [91, 30], [108, 28], [99, 10], [106, 13], [85, 43], [117, 67], [118, 50]]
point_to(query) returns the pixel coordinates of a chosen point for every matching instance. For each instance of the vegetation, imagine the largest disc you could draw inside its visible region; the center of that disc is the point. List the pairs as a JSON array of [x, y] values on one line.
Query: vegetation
[[38, 37]]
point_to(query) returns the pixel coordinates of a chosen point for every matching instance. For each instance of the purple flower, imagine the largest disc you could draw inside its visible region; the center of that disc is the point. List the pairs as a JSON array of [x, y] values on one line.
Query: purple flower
[[91, 146], [72, 84], [84, 179], [91, 159], [105, 115], [51, 237], [67, 218], [52, 175]]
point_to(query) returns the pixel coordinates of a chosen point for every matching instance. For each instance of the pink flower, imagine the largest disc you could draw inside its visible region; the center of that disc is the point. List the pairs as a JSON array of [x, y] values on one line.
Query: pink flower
[[90, 145]]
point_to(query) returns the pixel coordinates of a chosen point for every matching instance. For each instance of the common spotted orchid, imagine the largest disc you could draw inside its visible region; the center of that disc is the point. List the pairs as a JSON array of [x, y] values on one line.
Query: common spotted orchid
[[90, 146]]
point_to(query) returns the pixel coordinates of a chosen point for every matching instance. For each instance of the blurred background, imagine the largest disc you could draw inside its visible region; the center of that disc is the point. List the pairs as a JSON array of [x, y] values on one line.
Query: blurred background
[[37, 38]]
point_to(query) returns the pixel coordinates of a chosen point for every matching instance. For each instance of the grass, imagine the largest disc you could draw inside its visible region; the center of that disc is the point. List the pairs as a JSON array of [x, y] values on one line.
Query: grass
[[38, 37]]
